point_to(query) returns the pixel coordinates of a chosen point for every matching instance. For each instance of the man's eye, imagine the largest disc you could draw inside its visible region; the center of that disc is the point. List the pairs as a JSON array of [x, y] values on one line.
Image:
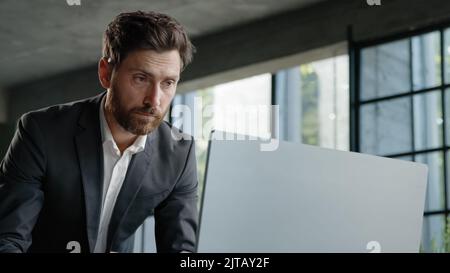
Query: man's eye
[[169, 83], [139, 79]]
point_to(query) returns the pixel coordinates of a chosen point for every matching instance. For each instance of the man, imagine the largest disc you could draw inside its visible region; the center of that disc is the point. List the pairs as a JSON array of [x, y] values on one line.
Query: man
[[85, 175]]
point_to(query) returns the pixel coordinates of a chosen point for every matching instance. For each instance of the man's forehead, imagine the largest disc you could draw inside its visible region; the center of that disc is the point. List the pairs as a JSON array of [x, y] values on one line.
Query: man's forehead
[[149, 60], [157, 73]]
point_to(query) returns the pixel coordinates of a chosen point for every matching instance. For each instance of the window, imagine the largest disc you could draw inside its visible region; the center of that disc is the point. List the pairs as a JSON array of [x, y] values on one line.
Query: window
[[401, 108], [225, 107], [314, 103]]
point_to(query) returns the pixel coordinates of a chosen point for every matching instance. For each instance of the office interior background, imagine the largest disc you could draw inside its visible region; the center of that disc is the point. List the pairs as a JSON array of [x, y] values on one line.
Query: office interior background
[[347, 74]]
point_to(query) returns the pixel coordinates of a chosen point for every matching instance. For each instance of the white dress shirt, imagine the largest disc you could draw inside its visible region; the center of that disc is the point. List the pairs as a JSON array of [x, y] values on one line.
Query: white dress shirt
[[115, 168]]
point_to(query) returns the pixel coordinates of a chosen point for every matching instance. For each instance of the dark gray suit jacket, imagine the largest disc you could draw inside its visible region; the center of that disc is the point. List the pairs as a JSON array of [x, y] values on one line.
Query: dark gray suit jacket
[[51, 185]]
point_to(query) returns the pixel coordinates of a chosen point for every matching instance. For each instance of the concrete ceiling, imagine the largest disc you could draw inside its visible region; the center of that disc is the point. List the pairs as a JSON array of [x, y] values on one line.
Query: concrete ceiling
[[46, 37]]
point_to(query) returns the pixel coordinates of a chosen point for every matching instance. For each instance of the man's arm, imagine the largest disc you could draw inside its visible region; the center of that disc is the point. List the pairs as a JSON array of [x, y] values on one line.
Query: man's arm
[[176, 217], [21, 196]]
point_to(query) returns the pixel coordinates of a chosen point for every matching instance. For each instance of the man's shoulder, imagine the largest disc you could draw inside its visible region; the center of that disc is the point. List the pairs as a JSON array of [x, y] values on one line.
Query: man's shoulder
[[62, 112], [170, 138]]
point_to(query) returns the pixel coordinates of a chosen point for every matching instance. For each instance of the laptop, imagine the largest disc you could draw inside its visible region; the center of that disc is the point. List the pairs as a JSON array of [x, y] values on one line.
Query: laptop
[[302, 198]]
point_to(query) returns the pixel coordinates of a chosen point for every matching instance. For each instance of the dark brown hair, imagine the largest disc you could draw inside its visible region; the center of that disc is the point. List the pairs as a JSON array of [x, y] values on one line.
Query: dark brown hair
[[145, 30]]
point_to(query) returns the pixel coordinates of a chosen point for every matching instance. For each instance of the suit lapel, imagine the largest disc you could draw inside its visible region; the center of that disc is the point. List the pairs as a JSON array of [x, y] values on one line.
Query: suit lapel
[[137, 170], [90, 156]]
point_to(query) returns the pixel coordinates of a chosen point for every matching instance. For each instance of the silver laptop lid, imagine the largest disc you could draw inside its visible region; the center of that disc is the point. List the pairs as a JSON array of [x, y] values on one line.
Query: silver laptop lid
[[302, 198]]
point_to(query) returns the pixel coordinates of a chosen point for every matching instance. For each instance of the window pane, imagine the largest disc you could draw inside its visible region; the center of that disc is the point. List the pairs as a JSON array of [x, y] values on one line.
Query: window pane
[[385, 70], [448, 181], [447, 116], [447, 55], [426, 57], [386, 127], [435, 187], [433, 234], [329, 102], [314, 103], [205, 97], [240, 107], [428, 120]]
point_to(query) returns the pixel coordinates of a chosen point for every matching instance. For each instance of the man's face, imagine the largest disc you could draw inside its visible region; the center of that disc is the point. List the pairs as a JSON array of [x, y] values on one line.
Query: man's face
[[141, 89]]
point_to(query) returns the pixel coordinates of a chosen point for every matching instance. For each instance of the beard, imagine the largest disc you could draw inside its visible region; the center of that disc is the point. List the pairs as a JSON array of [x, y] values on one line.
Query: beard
[[138, 120]]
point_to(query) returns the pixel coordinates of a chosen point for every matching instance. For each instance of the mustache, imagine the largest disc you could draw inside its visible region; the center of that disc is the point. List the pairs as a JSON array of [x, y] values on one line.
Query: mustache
[[153, 111]]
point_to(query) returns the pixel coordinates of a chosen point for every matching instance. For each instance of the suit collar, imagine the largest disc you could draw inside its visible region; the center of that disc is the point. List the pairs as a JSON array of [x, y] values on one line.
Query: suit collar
[[90, 157]]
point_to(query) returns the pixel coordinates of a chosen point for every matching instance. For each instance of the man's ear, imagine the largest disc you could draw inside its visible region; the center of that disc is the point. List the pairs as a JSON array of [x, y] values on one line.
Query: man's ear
[[104, 73]]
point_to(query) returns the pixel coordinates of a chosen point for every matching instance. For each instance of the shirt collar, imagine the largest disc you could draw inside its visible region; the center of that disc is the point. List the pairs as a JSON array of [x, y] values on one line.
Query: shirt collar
[[107, 138]]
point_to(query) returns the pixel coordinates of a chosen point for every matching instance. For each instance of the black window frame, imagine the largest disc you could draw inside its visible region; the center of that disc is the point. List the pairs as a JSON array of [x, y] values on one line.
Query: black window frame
[[354, 50]]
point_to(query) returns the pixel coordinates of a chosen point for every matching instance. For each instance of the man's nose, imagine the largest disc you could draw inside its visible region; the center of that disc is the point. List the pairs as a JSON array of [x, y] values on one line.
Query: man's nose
[[153, 96]]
